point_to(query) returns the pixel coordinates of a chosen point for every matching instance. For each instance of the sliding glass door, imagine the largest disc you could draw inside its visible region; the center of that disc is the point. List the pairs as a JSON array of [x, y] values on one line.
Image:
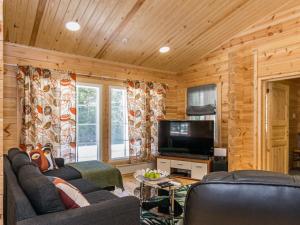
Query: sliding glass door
[[88, 122], [119, 145]]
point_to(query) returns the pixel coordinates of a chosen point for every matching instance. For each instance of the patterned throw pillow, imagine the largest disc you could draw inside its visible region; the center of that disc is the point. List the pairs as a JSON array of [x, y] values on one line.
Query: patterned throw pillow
[[70, 195], [37, 157], [48, 152], [43, 158]]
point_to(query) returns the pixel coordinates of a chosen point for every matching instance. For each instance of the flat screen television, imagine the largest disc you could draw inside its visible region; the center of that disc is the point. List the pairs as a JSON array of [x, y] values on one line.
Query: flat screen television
[[186, 138]]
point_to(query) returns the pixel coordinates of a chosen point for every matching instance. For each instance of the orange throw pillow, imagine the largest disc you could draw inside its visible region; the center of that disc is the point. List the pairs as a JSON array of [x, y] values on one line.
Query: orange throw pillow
[[37, 156]]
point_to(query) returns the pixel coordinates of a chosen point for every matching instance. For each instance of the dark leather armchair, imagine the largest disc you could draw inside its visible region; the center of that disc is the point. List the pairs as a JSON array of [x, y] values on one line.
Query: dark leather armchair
[[244, 198]]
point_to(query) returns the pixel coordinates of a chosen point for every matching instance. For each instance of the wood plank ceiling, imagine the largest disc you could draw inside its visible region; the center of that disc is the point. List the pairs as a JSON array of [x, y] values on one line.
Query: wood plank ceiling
[[132, 31]]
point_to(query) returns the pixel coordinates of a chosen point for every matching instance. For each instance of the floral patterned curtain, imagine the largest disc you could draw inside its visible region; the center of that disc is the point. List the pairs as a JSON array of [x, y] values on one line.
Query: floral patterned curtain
[[146, 106], [48, 99]]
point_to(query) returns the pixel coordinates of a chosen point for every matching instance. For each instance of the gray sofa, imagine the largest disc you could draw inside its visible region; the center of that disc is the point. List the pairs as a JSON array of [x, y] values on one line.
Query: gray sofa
[[20, 207], [244, 198]]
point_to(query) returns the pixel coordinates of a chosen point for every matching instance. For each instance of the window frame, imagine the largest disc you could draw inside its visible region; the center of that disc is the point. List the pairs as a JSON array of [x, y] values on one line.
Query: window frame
[[218, 115], [100, 118], [110, 159]]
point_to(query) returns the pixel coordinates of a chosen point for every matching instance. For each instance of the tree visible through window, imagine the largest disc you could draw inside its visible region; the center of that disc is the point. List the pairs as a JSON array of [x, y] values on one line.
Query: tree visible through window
[[88, 123], [119, 147]]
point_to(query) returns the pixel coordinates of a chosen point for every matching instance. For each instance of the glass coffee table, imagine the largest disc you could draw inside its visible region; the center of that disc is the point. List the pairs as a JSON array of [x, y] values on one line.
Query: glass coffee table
[[178, 183]]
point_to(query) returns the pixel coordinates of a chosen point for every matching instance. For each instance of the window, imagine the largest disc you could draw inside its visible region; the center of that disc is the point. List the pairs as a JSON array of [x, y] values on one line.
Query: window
[[88, 122], [119, 145], [202, 104]]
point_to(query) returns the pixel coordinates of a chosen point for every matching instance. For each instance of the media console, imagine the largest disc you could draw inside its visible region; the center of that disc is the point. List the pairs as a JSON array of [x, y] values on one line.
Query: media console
[[184, 167]]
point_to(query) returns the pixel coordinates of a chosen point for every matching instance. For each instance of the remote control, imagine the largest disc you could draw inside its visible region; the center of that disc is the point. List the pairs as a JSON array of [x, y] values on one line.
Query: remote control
[[165, 184]]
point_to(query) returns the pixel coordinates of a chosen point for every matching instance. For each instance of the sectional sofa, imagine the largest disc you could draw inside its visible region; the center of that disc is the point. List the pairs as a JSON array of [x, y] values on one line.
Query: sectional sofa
[[26, 186]]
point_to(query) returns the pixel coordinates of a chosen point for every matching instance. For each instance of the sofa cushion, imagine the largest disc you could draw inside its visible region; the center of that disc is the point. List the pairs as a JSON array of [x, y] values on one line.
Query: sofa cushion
[[42, 194], [60, 162], [65, 173], [99, 196], [20, 207], [20, 159], [70, 195], [12, 152], [84, 185]]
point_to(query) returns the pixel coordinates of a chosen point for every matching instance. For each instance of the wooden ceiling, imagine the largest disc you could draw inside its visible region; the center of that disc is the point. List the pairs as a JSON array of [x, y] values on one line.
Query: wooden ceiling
[[132, 31]]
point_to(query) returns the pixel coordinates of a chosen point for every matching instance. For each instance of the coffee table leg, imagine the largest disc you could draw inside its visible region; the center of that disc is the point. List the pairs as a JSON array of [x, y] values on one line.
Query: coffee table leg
[[141, 196], [141, 191], [172, 200]]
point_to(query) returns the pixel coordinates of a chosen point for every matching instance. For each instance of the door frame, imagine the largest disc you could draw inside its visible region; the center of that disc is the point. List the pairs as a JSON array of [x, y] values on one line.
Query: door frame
[[260, 89]]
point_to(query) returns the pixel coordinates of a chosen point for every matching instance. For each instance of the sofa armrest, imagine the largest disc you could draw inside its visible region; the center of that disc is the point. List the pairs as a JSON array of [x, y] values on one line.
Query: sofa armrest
[[121, 211], [60, 162]]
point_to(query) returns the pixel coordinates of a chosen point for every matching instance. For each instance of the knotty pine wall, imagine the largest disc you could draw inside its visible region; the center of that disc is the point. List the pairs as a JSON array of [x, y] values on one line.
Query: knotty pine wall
[[272, 47], [93, 70], [1, 112]]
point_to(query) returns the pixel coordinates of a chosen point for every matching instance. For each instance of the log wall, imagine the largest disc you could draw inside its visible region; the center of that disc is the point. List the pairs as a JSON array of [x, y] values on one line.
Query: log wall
[[272, 47]]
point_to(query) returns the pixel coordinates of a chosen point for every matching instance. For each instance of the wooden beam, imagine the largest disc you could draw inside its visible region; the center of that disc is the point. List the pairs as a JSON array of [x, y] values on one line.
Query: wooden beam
[[119, 29], [25, 55], [38, 18]]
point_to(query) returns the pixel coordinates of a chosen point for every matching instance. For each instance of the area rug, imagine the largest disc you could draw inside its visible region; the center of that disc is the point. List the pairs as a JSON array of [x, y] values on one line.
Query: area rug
[[149, 218]]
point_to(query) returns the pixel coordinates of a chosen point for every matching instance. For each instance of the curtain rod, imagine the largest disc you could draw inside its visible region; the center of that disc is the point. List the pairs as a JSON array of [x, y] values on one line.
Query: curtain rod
[[82, 74], [85, 74]]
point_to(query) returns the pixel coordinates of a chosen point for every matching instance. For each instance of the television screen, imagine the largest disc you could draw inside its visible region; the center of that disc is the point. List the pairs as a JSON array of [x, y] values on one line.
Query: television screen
[[186, 137]]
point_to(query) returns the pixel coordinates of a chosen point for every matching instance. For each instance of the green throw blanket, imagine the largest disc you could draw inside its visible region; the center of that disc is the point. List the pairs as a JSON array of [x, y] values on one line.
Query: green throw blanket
[[102, 174]]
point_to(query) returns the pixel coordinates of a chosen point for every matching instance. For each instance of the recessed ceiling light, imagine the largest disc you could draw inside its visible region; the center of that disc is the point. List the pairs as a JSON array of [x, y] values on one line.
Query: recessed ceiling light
[[73, 26], [164, 49], [124, 41]]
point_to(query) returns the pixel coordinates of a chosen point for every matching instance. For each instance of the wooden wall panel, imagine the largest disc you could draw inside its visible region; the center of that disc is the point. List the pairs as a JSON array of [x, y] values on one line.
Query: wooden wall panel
[[171, 103], [1, 113], [12, 122], [280, 59], [213, 69], [277, 43], [240, 122]]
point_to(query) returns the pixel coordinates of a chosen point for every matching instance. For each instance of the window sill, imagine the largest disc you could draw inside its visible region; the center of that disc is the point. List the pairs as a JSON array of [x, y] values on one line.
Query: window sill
[[118, 162]]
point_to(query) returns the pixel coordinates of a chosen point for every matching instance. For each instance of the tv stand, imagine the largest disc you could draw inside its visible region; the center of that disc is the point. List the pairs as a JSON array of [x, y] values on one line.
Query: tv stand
[[185, 167], [186, 156]]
